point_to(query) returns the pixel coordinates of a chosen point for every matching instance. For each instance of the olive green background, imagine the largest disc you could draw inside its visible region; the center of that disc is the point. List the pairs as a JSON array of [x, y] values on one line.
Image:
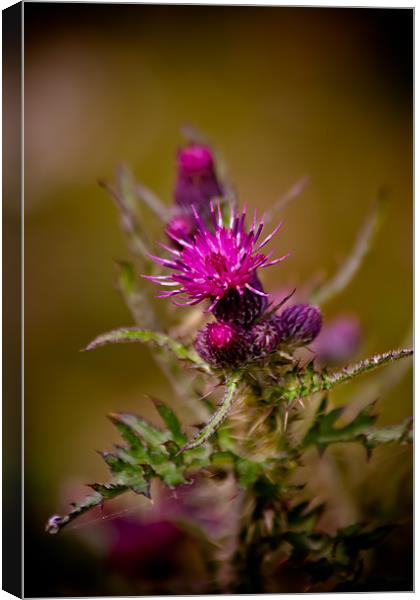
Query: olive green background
[[283, 93]]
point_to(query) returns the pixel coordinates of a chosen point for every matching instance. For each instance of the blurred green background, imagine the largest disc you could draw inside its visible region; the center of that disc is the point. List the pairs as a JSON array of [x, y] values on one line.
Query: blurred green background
[[283, 92]]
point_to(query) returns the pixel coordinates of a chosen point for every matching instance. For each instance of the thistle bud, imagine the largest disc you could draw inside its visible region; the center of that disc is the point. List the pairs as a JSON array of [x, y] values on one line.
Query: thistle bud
[[223, 344], [265, 337], [300, 324], [242, 307], [196, 182], [180, 227]]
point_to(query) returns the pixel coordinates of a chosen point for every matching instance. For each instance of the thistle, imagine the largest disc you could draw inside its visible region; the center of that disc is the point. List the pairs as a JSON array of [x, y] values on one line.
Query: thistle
[[220, 265], [272, 410]]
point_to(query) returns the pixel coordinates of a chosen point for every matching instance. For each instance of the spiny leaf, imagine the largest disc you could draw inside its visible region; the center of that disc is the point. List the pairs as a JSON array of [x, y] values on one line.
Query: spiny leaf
[[150, 434], [134, 334], [300, 383], [108, 490], [360, 249], [368, 364], [56, 522], [324, 432], [127, 474], [218, 416], [171, 421]]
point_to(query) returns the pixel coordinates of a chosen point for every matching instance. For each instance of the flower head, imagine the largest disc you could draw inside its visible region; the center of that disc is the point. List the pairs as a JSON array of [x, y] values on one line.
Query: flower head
[[216, 261], [223, 344]]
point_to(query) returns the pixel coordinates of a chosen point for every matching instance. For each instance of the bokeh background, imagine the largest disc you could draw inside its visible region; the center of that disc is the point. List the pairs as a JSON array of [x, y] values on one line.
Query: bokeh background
[[283, 92]]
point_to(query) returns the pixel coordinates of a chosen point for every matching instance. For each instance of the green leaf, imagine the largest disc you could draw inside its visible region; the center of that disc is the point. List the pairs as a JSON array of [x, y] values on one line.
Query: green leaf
[[171, 421], [125, 335], [56, 522], [218, 416], [364, 366], [300, 383], [324, 431]]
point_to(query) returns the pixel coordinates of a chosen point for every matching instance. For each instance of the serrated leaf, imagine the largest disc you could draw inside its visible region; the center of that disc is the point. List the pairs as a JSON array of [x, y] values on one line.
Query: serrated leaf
[[300, 383], [56, 522], [171, 421], [127, 474], [137, 449], [108, 490], [147, 432], [324, 431], [125, 335]]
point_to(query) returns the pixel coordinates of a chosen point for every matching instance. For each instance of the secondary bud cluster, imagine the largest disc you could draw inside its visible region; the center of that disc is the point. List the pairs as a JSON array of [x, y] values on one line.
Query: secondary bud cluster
[[227, 344]]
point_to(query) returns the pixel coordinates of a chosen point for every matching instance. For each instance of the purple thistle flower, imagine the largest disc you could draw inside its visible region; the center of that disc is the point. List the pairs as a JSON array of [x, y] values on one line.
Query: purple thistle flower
[[299, 324], [216, 262], [223, 344], [196, 181]]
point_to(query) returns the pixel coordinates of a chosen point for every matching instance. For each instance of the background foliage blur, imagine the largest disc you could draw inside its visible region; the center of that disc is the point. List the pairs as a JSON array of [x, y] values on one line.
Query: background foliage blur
[[283, 93]]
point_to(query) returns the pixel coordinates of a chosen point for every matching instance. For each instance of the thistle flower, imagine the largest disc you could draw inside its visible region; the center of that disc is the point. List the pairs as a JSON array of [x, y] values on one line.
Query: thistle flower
[[223, 344], [196, 181], [217, 262], [299, 324]]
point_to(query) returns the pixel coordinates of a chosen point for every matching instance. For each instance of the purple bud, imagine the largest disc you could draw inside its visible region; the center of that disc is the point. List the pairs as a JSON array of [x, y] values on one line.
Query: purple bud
[[196, 182], [242, 307], [339, 339], [223, 344], [265, 337], [180, 227], [195, 158], [299, 324]]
